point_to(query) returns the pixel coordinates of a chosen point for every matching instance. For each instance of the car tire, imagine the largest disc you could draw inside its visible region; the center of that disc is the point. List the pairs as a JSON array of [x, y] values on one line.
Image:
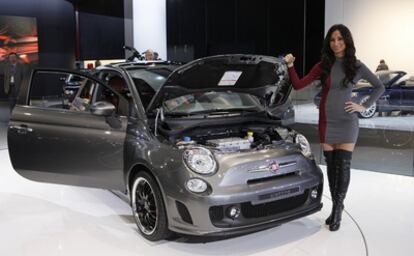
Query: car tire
[[148, 208], [369, 112]]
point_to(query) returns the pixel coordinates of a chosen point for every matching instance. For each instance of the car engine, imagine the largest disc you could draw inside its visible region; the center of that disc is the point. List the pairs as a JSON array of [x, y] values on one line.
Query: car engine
[[235, 139], [229, 144]]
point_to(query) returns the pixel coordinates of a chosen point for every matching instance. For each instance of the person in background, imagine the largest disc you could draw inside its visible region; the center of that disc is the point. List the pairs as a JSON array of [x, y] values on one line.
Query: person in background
[[382, 66], [156, 56], [149, 54], [13, 76], [338, 71], [97, 63]]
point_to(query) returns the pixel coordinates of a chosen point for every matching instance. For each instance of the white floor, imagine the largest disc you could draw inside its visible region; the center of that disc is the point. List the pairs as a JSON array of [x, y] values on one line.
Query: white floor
[[45, 219]]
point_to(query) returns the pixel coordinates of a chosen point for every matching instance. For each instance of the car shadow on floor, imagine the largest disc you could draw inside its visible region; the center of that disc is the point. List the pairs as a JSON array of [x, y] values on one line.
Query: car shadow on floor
[[283, 234]]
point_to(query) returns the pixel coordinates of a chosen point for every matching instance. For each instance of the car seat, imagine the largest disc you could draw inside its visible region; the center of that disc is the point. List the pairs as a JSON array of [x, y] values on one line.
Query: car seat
[[118, 84]]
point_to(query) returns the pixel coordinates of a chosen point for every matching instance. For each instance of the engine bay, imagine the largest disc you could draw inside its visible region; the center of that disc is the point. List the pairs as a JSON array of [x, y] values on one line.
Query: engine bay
[[234, 138]]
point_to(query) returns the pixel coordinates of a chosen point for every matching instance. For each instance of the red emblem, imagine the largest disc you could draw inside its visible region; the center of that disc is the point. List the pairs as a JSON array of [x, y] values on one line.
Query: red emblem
[[273, 166]]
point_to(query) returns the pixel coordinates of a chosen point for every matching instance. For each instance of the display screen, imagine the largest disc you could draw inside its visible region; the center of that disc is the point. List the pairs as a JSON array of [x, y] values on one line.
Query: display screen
[[19, 34]]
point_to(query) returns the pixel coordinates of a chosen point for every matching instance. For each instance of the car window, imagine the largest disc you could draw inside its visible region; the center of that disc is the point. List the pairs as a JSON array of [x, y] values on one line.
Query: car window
[[154, 78], [54, 89], [83, 100], [91, 93], [387, 77], [103, 93], [409, 84], [71, 92], [148, 82], [115, 81]]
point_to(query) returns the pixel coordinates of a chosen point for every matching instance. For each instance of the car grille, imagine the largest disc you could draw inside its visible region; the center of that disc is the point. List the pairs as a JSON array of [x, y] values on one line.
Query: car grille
[[250, 212], [279, 194], [216, 213], [262, 210], [272, 178]]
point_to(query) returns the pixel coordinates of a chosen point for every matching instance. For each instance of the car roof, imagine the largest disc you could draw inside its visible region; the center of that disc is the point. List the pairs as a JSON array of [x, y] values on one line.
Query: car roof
[[141, 63]]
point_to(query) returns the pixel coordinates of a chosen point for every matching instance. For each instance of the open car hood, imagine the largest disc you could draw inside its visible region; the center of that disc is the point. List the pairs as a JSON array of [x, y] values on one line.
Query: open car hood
[[263, 76]]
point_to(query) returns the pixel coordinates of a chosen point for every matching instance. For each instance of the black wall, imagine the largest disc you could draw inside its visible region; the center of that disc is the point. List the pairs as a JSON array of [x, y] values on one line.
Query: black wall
[[198, 28], [56, 28], [102, 30], [315, 22]]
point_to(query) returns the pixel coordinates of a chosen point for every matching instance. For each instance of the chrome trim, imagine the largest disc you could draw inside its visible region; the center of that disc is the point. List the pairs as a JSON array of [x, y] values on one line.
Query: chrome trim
[[21, 128], [288, 164], [265, 168]]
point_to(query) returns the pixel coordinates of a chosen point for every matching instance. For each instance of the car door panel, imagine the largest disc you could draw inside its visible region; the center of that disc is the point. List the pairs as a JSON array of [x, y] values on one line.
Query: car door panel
[[395, 97], [67, 147], [408, 96]]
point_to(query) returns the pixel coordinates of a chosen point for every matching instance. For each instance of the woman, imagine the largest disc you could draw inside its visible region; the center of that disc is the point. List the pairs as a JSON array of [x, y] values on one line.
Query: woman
[[338, 72]]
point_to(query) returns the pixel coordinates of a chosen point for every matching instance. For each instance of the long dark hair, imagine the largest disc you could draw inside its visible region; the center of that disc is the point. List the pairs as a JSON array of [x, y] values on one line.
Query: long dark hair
[[328, 56]]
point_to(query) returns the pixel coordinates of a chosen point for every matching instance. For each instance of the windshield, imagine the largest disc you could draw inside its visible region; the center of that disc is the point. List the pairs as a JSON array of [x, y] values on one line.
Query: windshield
[[385, 78], [212, 101], [149, 80], [152, 78]]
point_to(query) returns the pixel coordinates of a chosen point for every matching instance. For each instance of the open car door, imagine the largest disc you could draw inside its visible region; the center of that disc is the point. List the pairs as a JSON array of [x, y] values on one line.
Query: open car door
[[69, 128]]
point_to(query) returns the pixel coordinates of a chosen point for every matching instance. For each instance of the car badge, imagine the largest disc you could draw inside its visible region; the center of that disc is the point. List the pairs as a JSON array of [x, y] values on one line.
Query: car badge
[[273, 167]]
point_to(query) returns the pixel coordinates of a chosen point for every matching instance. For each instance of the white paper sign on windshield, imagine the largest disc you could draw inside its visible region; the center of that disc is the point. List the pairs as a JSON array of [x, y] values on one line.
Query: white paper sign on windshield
[[230, 78]]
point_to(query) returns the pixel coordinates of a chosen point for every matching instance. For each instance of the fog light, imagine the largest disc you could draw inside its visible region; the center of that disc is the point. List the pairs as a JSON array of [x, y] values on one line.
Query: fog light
[[233, 212], [197, 185], [314, 193]]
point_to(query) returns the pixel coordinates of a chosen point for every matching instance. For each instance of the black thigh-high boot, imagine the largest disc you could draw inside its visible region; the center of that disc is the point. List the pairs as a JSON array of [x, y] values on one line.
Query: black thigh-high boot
[[330, 170], [343, 174]]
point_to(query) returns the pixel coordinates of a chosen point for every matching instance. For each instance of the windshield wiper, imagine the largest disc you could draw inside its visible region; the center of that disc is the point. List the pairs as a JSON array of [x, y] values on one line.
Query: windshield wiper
[[215, 112]]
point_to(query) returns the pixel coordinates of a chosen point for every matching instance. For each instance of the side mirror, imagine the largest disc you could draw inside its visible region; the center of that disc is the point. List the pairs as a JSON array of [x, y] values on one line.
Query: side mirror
[[102, 108]]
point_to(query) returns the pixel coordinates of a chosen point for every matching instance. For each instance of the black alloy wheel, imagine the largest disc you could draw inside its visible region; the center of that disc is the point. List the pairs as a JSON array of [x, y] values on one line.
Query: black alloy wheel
[[148, 208]]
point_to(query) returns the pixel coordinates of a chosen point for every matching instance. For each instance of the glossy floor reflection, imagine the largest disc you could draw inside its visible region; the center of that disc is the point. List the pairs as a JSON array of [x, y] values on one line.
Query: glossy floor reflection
[[45, 219], [385, 144], [4, 111], [309, 113]]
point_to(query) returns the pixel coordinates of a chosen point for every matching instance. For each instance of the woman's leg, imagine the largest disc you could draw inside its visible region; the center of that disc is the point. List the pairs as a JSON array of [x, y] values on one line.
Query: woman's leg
[[329, 154], [327, 147], [346, 146], [343, 157]]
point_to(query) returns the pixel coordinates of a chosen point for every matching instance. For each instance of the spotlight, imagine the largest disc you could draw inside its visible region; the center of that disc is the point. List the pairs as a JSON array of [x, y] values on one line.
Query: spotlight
[[233, 212], [314, 193]]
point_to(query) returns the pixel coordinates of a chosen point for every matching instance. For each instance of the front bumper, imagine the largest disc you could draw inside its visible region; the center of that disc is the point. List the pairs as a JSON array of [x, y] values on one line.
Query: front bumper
[[261, 225], [263, 205]]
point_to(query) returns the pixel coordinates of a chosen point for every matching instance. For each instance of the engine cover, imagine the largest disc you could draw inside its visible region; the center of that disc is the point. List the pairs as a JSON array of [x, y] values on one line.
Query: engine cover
[[227, 144]]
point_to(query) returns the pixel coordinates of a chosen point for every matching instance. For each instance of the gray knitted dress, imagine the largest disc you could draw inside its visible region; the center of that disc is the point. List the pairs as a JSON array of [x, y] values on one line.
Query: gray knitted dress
[[336, 126]]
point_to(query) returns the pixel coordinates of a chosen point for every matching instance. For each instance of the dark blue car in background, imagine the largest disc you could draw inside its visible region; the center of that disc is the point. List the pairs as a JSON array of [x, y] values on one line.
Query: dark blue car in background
[[398, 95]]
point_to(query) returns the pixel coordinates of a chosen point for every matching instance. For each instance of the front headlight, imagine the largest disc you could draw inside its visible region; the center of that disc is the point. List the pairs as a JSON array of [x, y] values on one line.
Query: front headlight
[[197, 185], [304, 145], [354, 94], [200, 160]]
